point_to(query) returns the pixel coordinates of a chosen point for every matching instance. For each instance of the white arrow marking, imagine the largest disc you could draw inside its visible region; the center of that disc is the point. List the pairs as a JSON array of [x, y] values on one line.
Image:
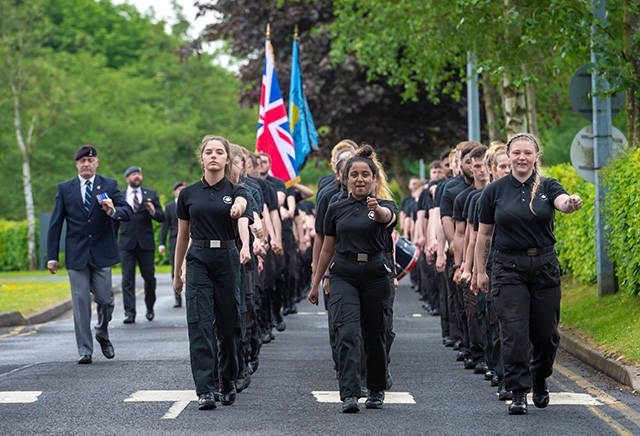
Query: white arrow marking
[[19, 397], [567, 399], [389, 397], [180, 400]]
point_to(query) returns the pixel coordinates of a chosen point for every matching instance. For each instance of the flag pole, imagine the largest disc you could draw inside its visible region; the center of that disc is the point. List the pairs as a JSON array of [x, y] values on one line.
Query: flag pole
[[295, 33], [268, 30]]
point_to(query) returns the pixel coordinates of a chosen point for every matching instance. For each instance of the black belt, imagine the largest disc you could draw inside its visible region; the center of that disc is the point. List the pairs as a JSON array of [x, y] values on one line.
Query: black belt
[[531, 252], [359, 257], [205, 243]]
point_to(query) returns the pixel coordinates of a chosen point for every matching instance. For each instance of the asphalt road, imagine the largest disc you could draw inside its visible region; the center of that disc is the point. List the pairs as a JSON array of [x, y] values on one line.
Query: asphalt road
[[148, 389]]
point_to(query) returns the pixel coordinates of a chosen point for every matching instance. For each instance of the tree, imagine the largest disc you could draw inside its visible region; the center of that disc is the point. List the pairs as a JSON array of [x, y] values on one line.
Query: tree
[[31, 80], [344, 103]]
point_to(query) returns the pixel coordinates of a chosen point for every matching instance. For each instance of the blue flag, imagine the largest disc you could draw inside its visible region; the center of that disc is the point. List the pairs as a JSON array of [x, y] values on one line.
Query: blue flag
[[305, 137]]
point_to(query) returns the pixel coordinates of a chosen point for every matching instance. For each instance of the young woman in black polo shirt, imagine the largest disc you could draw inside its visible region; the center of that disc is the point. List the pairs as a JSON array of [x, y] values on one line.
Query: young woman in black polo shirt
[[525, 290], [212, 212], [354, 247]]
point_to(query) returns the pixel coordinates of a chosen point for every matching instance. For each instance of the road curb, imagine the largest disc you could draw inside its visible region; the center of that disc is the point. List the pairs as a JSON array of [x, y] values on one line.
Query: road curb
[[627, 375]]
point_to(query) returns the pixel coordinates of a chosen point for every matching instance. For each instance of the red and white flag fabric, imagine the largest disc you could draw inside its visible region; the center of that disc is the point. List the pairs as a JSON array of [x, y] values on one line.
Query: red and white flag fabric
[[274, 136]]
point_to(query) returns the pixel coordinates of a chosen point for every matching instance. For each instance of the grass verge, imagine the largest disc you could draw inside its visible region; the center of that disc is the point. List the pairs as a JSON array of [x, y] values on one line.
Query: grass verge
[[28, 297], [609, 324]]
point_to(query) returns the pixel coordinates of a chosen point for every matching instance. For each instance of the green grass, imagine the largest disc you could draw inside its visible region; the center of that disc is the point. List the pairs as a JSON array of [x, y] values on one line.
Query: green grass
[[610, 324], [30, 297]]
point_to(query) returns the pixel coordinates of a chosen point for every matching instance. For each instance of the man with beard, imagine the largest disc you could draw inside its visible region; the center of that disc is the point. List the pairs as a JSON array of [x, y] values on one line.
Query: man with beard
[[137, 244]]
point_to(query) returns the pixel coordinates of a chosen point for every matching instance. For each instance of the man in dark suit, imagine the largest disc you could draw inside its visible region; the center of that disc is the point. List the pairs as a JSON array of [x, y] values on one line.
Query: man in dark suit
[[89, 203], [170, 226], [137, 244]]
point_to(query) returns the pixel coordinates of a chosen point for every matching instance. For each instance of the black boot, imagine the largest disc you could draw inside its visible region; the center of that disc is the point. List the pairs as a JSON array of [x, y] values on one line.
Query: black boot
[[518, 405]]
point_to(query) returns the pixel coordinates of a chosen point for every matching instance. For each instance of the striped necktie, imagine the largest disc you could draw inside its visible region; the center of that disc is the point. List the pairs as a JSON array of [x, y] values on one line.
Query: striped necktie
[[136, 202], [87, 195]]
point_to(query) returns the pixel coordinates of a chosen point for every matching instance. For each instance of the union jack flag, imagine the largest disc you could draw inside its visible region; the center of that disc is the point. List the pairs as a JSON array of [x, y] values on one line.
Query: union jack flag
[[274, 136]]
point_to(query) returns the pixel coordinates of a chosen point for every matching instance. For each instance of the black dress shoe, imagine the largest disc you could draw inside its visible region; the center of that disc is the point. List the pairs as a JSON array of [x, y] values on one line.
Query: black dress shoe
[[457, 345], [488, 376], [227, 393], [461, 356], [540, 393], [374, 400], [177, 304], [206, 401], [107, 347], [149, 315], [481, 367], [469, 363], [518, 405], [350, 405], [84, 360], [293, 309], [130, 319]]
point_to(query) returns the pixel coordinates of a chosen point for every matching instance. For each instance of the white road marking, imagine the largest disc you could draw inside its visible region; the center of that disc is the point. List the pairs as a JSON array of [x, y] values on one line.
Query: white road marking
[[311, 313], [567, 399], [19, 397], [389, 397], [180, 400], [417, 315]]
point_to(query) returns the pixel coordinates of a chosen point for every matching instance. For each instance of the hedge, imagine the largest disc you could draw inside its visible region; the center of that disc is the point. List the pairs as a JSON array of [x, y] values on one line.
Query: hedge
[[14, 247]]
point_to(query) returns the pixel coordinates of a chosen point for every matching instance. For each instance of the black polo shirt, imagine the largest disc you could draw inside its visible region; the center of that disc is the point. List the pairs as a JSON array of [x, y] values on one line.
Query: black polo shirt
[[326, 181], [278, 184], [322, 204], [471, 209], [207, 208], [352, 224], [451, 190], [459, 202], [443, 186], [268, 192], [505, 203], [256, 194]]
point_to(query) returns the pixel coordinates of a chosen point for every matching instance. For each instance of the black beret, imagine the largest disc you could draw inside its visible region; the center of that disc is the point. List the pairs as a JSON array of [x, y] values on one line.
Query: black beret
[[86, 150], [176, 185], [132, 169]]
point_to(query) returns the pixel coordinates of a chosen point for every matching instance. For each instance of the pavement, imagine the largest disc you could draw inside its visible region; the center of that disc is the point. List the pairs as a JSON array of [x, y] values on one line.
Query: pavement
[[569, 342]]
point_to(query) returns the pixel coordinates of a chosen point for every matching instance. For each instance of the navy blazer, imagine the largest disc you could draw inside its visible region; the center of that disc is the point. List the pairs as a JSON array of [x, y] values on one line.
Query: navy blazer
[[139, 231], [170, 226], [88, 233]]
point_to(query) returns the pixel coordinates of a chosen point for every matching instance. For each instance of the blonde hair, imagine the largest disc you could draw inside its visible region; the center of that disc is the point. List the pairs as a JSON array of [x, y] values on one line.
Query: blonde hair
[[344, 144], [496, 148], [532, 139], [236, 151]]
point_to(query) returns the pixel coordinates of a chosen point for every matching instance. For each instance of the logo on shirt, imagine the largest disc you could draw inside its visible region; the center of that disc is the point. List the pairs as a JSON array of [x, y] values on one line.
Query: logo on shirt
[[543, 197], [227, 199], [371, 215]]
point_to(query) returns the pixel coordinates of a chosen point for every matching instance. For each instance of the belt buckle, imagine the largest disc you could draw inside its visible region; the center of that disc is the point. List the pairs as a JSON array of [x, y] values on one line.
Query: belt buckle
[[362, 257], [532, 252], [214, 244]]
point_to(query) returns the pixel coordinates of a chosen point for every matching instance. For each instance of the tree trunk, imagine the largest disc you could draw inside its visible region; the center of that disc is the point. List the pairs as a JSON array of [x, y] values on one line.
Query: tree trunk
[[514, 106], [631, 28], [26, 183], [490, 97], [532, 109]]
